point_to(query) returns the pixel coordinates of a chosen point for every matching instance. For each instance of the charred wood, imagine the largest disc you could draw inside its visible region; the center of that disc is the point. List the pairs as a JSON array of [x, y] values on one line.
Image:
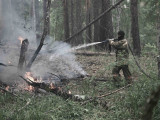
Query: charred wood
[[23, 51]]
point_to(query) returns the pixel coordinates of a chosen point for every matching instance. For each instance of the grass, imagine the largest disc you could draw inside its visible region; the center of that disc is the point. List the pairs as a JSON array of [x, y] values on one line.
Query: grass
[[127, 104]]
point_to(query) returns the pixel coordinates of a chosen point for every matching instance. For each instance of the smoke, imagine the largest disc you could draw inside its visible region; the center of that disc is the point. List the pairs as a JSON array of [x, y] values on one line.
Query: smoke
[[60, 61], [17, 22]]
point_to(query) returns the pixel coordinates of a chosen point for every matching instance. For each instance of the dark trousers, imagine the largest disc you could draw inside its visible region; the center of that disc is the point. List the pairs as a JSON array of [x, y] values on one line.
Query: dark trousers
[[126, 73]]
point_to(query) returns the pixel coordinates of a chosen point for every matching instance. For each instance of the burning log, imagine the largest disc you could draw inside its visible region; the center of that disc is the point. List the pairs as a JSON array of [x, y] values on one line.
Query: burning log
[[50, 87], [23, 51]]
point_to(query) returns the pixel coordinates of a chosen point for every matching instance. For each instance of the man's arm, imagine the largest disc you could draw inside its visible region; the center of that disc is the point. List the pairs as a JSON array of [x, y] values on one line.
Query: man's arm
[[117, 44]]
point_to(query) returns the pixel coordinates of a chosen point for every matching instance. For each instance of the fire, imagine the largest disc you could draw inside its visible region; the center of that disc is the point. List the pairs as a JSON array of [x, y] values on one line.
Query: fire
[[29, 76], [69, 92], [21, 39], [29, 88], [7, 88], [52, 86], [9, 62]]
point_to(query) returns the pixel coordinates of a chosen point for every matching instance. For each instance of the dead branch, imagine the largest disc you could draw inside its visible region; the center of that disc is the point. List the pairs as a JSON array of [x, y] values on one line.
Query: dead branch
[[98, 97], [45, 30], [28, 102], [151, 103], [95, 20]]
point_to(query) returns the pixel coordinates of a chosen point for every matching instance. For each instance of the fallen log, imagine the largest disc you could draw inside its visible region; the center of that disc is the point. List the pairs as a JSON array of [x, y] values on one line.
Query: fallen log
[[53, 89], [65, 94]]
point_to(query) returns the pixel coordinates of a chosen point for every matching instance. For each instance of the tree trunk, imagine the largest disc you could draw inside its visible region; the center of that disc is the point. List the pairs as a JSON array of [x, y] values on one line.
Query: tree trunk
[[0, 20], [88, 20], [106, 27], [78, 39], [44, 15], [66, 19], [158, 58], [96, 5], [37, 22], [34, 15], [135, 27], [23, 51], [72, 16]]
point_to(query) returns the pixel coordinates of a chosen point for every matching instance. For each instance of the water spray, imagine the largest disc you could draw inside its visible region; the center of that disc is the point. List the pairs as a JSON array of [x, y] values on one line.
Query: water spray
[[89, 44]]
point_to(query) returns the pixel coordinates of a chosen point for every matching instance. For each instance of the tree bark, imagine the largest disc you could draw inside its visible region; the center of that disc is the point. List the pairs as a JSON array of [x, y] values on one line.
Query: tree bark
[[78, 39], [96, 5], [158, 58], [34, 15], [0, 20], [45, 2], [23, 51], [72, 16], [66, 19], [135, 27], [106, 27], [88, 20], [37, 22]]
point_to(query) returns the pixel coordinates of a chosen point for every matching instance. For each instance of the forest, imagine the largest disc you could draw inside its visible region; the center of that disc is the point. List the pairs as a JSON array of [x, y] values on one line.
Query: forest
[[79, 59]]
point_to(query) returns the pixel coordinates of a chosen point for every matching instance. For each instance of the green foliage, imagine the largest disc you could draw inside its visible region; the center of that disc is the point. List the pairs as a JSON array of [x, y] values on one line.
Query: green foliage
[[149, 49]]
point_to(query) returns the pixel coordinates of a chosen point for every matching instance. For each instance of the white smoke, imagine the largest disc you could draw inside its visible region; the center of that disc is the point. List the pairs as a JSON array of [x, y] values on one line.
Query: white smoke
[[58, 60]]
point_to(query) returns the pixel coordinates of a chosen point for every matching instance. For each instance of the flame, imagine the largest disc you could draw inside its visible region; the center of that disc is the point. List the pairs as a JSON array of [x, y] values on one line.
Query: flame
[[69, 92], [9, 62], [52, 86], [21, 39], [29, 76], [29, 88], [7, 88]]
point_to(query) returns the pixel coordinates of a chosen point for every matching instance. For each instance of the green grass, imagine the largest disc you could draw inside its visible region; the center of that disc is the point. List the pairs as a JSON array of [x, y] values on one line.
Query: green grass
[[127, 104]]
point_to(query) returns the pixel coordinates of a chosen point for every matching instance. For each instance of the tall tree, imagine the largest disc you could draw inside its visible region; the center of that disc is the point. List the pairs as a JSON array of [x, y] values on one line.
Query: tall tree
[[34, 15], [135, 27], [78, 24], [44, 14], [88, 20], [66, 19], [96, 6], [72, 16], [0, 20], [106, 27]]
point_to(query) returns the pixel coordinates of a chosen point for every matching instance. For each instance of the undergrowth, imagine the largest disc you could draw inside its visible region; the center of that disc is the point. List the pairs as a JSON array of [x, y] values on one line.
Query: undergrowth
[[128, 104]]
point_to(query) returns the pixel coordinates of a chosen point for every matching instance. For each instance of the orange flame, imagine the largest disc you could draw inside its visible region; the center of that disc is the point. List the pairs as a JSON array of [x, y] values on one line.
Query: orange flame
[[7, 88], [29, 88], [29, 76], [9, 62], [21, 39], [52, 86]]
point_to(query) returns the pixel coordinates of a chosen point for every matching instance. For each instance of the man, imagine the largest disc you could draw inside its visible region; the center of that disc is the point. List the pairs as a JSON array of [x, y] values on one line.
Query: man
[[122, 56]]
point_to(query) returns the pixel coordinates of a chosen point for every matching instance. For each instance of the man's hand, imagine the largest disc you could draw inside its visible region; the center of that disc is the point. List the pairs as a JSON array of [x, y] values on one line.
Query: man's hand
[[125, 44], [111, 41]]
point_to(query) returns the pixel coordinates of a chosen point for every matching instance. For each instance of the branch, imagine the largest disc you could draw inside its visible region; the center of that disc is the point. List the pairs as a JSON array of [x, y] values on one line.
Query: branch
[[95, 20], [45, 30], [98, 97]]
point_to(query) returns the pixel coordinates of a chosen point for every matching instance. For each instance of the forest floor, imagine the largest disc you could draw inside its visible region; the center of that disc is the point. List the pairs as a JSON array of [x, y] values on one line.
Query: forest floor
[[126, 104]]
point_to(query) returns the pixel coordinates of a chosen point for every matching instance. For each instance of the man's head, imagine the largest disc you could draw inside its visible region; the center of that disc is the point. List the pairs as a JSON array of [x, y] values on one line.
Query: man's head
[[121, 35]]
